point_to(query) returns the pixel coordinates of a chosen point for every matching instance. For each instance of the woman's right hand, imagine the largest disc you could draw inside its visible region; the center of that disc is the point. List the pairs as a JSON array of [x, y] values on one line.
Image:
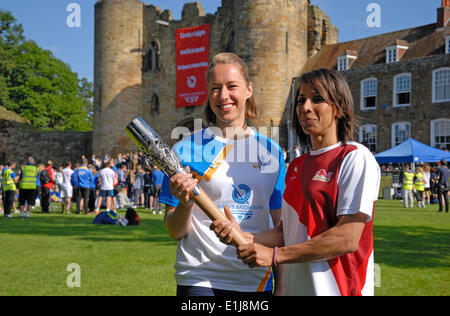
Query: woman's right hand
[[224, 229], [181, 186]]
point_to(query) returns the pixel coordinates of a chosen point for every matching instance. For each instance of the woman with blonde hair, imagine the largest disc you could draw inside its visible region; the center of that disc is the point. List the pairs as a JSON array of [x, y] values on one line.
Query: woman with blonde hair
[[243, 173]]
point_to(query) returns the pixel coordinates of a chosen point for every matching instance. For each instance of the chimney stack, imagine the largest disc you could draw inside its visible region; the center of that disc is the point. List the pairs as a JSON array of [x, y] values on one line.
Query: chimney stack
[[443, 14]]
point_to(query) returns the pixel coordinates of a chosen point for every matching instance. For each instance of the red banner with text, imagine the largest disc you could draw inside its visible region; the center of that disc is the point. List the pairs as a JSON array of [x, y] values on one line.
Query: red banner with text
[[192, 46]]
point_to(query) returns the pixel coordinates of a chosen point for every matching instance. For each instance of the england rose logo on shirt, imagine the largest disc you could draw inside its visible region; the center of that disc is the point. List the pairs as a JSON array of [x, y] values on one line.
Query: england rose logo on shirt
[[322, 176]]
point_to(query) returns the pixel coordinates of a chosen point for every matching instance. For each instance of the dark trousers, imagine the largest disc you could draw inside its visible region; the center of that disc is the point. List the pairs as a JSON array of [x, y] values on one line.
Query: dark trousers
[[45, 199], [204, 291], [8, 201], [92, 197], [443, 193], [148, 190], [156, 197], [38, 192], [83, 193]]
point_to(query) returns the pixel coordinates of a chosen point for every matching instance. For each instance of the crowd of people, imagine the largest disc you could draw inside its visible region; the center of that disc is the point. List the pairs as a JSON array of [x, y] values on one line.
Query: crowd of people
[[427, 184], [128, 180]]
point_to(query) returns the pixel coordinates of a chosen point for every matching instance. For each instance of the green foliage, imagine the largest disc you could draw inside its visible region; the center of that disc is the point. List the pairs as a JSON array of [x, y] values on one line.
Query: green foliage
[[38, 86]]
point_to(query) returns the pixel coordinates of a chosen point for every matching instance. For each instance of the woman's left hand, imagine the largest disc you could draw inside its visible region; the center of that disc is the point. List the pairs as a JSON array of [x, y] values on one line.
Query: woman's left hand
[[255, 255]]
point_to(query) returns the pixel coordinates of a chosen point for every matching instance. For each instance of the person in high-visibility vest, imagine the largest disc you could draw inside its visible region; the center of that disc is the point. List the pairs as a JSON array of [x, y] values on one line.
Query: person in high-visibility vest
[[9, 180], [408, 185], [419, 185], [27, 186]]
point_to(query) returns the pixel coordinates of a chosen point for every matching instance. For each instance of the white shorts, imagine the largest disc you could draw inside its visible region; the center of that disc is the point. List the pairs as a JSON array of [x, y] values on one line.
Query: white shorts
[[66, 190]]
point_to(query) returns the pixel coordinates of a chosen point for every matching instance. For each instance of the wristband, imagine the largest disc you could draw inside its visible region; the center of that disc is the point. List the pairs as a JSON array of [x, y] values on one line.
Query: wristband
[[274, 259]]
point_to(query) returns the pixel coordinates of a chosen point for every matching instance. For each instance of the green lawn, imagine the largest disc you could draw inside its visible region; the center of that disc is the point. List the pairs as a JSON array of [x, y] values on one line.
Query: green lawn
[[114, 260], [411, 249]]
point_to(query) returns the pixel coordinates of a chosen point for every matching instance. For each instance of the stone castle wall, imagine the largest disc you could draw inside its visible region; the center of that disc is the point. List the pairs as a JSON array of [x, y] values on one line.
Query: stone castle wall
[[18, 141]]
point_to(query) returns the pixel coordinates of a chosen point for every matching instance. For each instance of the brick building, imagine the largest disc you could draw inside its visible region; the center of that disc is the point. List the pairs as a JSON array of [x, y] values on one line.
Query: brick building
[[400, 83]]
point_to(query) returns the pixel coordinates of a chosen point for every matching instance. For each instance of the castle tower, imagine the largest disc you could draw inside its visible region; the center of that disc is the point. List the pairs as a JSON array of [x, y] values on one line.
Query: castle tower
[[272, 36], [117, 73]]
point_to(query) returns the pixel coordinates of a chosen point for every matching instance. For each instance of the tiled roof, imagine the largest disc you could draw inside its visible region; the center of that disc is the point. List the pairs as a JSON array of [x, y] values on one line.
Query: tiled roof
[[422, 41]]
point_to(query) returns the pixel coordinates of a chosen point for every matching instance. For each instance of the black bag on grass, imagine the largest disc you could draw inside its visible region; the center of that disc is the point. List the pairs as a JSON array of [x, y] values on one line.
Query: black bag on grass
[[132, 217]]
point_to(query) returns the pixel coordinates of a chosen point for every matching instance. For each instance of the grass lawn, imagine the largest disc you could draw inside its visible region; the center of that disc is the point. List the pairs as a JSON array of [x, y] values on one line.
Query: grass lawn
[[114, 260], [411, 250]]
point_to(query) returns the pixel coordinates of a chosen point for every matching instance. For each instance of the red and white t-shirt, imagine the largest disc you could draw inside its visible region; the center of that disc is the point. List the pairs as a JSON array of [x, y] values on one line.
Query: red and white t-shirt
[[320, 186]]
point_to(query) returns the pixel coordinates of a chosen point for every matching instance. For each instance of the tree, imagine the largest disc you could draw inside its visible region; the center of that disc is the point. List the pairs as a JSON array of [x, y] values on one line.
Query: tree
[[38, 86], [10, 35], [86, 90]]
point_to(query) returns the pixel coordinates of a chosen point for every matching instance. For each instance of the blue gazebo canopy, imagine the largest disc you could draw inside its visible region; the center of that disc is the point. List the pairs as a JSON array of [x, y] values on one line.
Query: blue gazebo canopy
[[412, 151]]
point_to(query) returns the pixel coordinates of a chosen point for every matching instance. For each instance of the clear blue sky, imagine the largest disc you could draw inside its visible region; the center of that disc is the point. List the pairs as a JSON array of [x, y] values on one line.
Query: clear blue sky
[[44, 21]]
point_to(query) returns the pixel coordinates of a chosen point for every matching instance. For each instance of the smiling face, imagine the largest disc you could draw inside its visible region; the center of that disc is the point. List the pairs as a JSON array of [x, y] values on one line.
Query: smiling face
[[324, 111], [228, 92], [317, 118]]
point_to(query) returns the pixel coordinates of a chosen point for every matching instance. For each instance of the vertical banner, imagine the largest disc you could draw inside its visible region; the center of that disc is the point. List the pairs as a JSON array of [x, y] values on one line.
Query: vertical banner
[[192, 45]]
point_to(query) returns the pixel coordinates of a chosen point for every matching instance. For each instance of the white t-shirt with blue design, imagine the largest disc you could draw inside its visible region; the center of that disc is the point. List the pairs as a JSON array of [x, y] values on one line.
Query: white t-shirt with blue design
[[247, 175]]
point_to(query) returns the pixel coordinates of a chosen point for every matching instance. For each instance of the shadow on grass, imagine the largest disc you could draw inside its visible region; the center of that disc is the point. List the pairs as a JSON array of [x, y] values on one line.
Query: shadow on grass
[[81, 227], [412, 246]]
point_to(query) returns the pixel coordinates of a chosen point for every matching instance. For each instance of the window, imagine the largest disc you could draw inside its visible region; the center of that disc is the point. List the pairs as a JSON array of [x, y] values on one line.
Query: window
[[394, 53], [441, 85], [154, 107], [346, 61], [401, 132], [402, 90], [391, 54], [151, 58], [368, 94], [287, 42], [447, 44], [440, 133], [227, 39], [342, 63], [368, 136]]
